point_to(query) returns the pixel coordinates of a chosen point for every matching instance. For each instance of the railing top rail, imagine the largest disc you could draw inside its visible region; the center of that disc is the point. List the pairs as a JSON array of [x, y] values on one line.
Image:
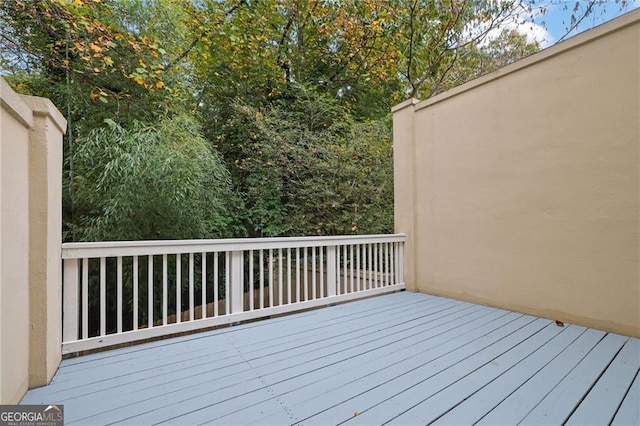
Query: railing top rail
[[157, 247]]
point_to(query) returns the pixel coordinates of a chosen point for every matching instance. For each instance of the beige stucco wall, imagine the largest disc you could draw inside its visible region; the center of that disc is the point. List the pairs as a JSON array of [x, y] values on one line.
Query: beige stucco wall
[[31, 132], [14, 243], [526, 186]]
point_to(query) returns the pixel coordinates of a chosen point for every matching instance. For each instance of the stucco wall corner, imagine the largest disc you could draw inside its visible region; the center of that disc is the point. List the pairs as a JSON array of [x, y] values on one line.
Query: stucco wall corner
[[404, 184], [44, 107], [405, 104], [45, 223], [11, 102]]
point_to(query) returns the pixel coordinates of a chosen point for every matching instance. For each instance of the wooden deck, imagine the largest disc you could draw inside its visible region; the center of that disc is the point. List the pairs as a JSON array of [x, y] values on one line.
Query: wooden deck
[[403, 358]]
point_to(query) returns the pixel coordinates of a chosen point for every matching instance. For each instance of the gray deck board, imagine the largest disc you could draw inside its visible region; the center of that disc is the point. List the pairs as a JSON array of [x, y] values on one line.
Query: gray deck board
[[557, 405], [601, 404], [292, 364], [479, 392], [404, 358], [629, 411], [287, 363], [513, 408]]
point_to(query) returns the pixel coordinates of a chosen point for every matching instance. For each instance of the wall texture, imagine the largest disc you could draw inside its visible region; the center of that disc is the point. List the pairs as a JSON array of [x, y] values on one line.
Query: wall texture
[[521, 189], [31, 132], [14, 245]]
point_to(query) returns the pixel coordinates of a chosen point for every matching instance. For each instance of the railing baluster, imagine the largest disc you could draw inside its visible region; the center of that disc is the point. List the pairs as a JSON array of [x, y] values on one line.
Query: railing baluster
[[306, 273], [85, 298], [261, 279], [298, 284], [165, 292], [251, 289], [227, 287], [358, 267], [376, 265], [367, 267], [351, 268], [191, 313], [136, 296], [382, 264], [216, 283], [322, 279], [271, 277], [103, 296], [345, 269], [313, 273], [388, 259], [363, 267], [150, 291], [336, 273], [401, 264], [288, 275], [394, 260], [339, 269], [280, 278], [372, 267], [204, 285], [119, 294], [178, 288]]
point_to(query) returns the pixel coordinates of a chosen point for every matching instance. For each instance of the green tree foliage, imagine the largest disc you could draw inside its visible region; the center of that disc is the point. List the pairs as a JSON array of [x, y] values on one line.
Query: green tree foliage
[[309, 169], [149, 182], [89, 59]]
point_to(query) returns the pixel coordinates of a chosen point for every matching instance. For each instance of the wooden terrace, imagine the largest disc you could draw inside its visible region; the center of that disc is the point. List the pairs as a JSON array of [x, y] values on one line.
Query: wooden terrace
[[400, 358]]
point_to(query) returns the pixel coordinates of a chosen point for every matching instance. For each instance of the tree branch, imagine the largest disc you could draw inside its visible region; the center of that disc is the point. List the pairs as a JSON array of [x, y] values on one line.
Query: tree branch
[[199, 38]]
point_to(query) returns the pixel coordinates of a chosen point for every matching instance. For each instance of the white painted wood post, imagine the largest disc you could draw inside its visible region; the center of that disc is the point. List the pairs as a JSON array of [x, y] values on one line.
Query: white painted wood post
[[331, 271], [237, 281], [401, 264], [70, 305]]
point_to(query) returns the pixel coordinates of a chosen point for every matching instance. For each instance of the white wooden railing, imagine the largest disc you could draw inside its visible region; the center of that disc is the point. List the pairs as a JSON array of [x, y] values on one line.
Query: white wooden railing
[[196, 284]]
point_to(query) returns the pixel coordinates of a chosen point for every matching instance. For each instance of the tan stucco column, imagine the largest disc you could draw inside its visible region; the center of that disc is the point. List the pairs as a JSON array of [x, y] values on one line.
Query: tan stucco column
[[45, 239], [404, 184]]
